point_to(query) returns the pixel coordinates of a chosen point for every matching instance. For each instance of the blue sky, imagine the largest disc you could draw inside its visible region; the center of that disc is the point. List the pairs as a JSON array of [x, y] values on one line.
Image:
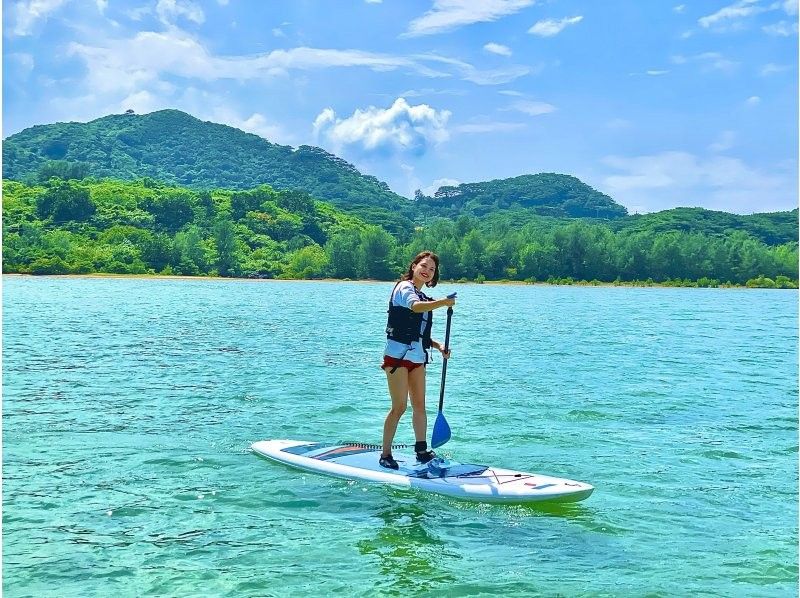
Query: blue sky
[[658, 104]]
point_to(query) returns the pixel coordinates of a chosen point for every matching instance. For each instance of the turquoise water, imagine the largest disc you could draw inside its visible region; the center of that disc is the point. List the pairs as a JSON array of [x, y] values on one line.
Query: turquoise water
[[129, 407]]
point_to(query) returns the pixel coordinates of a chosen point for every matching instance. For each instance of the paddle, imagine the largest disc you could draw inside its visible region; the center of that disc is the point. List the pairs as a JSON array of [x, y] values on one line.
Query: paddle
[[441, 429]]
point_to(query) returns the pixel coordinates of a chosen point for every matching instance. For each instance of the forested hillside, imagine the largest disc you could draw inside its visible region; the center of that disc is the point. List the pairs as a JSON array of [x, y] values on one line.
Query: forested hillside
[[175, 148], [545, 194]]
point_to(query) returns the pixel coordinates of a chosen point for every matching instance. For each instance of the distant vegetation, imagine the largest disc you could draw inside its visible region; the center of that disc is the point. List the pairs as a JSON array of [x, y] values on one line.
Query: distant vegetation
[[148, 227], [167, 193], [544, 194], [178, 149]]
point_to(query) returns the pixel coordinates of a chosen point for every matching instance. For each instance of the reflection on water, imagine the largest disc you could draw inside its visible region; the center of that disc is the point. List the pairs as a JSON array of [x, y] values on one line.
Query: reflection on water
[[407, 547]]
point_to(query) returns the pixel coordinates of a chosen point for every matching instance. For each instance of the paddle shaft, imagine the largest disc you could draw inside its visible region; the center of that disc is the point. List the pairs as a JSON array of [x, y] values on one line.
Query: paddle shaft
[[444, 365]]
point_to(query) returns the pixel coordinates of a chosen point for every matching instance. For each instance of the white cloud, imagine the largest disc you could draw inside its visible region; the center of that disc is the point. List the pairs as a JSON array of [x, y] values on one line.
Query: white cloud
[[724, 142], [489, 77], [136, 14], [416, 93], [168, 11], [223, 2], [434, 186], [102, 5], [532, 108], [680, 8], [373, 1], [142, 102], [728, 15], [497, 49], [401, 128], [447, 15], [511, 92], [278, 32], [130, 62], [789, 7], [256, 123], [752, 101], [26, 14], [655, 73], [661, 181], [781, 29], [771, 68], [708, 61], [551, 27]]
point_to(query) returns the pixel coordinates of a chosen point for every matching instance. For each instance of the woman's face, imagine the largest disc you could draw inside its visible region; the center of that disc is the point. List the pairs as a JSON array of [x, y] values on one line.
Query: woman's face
[[424, 269]]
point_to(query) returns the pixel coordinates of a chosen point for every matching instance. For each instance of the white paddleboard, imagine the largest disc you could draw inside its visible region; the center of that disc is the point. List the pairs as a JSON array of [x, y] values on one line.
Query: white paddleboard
[[459, 480]]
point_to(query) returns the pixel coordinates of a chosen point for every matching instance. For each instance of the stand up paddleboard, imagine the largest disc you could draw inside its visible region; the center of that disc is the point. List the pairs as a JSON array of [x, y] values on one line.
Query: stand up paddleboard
[[458, 480]]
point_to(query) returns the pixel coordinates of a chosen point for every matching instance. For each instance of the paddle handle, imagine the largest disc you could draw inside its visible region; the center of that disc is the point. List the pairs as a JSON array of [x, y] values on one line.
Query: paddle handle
[[444, 365]]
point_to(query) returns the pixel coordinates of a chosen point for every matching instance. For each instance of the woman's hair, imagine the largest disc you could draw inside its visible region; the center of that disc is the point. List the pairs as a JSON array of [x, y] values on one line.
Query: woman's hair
[[409, 275]]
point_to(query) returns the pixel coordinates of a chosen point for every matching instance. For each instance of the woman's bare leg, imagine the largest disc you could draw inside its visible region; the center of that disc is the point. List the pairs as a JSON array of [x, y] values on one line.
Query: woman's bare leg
[[398, 391], [416, 390]]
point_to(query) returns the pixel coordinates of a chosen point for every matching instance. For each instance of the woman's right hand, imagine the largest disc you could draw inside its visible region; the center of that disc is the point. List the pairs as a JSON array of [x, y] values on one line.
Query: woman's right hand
[[448, 301]]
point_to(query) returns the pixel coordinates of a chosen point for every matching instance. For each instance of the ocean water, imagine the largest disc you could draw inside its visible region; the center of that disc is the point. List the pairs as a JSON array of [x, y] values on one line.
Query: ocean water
[[129, 406]]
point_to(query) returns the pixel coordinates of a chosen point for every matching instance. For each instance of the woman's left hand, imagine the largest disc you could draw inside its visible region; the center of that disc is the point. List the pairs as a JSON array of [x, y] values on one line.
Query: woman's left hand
[[445, 352]]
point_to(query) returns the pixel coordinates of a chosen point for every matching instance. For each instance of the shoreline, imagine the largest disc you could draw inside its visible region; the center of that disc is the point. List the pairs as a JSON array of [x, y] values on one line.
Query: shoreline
[[100, 275]]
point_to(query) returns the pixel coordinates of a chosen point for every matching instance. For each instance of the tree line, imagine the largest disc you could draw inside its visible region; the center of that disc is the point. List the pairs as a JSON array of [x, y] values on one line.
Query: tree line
[[141, 227]]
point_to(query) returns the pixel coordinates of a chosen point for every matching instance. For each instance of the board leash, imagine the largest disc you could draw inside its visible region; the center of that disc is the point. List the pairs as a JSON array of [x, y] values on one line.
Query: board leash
[[372, 446]]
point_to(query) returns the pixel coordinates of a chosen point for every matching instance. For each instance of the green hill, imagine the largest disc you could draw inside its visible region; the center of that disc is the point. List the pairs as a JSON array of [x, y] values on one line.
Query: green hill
[[771, 228], [546, 194], [175, 148]]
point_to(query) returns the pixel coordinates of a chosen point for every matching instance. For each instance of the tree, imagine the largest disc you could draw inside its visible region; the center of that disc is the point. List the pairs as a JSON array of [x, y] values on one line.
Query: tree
[[172, 209], [65, 200], [225, 240], [342, 250], [376, 248]]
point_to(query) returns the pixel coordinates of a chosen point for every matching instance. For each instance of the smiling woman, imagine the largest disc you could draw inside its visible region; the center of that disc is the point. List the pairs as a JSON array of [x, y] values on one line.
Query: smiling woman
[[408, 333]]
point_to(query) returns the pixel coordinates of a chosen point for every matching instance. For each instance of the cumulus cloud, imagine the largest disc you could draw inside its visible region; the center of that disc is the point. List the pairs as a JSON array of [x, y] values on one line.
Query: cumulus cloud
[[401, 128], [660, 181], [551, 27], [499, 49], [26, 15], [446, 15]]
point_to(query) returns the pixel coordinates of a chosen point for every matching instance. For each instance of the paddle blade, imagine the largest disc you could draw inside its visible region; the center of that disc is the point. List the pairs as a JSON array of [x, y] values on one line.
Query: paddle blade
[[441, 431]]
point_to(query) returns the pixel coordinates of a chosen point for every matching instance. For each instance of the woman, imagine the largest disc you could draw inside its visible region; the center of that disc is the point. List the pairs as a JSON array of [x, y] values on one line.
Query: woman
[[408, 340]]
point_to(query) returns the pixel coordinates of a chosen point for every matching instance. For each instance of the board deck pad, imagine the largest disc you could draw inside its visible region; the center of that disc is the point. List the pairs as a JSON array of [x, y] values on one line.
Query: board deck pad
[[459, 480]]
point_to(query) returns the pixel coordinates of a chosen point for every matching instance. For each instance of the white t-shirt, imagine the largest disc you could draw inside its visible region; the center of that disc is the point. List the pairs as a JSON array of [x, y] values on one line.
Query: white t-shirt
[[405, 295]]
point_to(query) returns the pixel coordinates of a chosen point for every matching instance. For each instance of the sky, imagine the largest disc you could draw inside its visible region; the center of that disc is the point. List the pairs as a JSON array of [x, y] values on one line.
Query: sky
[[658, 104]]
